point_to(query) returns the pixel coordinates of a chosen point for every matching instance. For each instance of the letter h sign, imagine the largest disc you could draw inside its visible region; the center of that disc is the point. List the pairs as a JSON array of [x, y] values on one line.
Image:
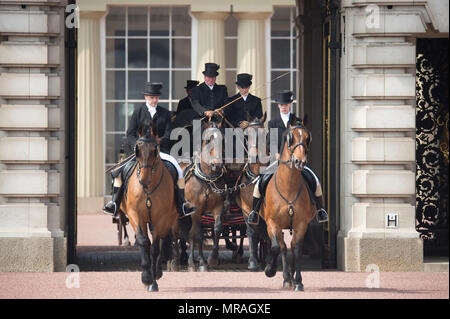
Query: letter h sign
[[391, 220]]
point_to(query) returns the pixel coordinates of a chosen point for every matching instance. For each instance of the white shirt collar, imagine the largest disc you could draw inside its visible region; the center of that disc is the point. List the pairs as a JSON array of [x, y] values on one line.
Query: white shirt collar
[[244, 97], [285, 117], [210, 87], [151, 109]]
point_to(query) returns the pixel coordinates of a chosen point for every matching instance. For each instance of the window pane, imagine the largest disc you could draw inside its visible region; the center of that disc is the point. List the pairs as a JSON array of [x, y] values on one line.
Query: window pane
[[113, 143], [164, 105], [181, 53], [231, 83], [274, 110], [231, 26], [115, 53], [181, 21], [115, 117], [231, 55], [115, 85], [136, 80], [159, 53], [280, 84], [163, 77], [294, 53], [115, 22], [280, 53], [179, 79], [137, 21], [137, 53], [134, 106], [281, 22], [159, 21]]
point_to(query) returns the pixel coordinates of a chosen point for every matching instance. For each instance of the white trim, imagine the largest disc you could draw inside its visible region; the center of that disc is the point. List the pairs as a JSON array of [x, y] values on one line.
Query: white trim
[[103, 79], [268, 66], [194, 42]]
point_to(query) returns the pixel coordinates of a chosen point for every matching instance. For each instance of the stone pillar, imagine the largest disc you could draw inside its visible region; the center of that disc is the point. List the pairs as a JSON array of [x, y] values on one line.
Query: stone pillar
[[210, 42], [90, 155], [251, 50]]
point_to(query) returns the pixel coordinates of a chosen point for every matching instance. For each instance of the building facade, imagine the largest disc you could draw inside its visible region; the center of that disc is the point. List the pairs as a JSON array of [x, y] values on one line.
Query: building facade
[[352, 66]]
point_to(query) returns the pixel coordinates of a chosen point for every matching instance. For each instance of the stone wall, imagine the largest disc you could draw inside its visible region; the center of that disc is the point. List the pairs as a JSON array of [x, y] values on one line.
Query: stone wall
[[32, 104], [377, 222]]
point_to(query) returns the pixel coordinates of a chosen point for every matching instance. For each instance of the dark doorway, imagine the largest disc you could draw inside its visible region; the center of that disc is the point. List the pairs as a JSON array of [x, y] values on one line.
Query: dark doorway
[[432, 145]]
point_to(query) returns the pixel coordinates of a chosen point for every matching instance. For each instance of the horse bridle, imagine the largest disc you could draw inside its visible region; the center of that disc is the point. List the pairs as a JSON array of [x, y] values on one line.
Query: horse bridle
[[291, 148], [153, 167]]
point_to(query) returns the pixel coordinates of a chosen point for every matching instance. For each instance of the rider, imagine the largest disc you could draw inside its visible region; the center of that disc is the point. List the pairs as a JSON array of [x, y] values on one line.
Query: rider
[[236, 113], [209, 95], [280, 122], [186, 103], [161, 118]]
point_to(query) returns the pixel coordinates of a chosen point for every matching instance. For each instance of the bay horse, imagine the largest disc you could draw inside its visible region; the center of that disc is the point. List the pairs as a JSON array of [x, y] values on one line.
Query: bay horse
[[244, 197], [150, 202], [287, 204], [203, 181]]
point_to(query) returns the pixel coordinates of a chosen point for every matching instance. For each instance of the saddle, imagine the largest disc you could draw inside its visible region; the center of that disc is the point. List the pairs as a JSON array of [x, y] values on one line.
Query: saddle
[[306, 174]]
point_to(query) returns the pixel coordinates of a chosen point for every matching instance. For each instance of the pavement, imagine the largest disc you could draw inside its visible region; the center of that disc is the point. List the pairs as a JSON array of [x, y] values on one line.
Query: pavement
[[97, 244]]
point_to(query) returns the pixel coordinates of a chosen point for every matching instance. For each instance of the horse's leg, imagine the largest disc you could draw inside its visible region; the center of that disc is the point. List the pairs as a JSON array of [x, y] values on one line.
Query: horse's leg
[[213, 258], [183, 255], [143, 241], [287, 277], [253, 246], [297, 247], [156, 263], [274, 233], [203, 264], [240, 251], [192, 241]]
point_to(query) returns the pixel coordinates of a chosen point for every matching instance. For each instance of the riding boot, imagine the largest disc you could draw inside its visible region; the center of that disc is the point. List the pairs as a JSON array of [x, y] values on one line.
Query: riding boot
[[112, 207], [322, 215], [253, 217], [185, 208]]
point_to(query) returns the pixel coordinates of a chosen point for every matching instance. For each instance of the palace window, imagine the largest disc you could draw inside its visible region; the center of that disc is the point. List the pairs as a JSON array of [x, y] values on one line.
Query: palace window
[[283, 54], [142, 44]]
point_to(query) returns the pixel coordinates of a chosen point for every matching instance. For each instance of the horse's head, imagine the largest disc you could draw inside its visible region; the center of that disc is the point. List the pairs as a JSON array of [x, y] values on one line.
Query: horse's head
[[297, 141], [212, 146], [252, 132], [147, 145]]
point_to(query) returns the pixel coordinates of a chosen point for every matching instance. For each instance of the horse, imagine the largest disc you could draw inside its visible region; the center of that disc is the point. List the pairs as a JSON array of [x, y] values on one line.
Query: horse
[[150, 202], [256, 234], [287, 204], [203, 180], [122, 234]]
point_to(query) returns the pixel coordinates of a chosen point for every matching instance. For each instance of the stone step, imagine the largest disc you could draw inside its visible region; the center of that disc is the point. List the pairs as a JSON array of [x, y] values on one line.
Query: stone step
[[435, 264]]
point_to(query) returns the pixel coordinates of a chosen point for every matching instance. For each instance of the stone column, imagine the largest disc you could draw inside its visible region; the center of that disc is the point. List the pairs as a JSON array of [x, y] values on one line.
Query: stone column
[[90, 155], [251, 50], [211, 42]]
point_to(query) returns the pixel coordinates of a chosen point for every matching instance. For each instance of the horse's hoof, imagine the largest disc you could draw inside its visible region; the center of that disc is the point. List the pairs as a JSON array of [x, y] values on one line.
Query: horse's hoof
[[153, 287], [191, 268], [203, 268], [213, 260], [252, 266], [126, 243], [287, 284], [298, 287], [270, 272]]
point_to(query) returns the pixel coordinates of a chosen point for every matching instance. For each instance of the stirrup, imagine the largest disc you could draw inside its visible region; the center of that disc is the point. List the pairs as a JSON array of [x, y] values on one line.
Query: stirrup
[[323, 211], [108, 212], [183, 209]]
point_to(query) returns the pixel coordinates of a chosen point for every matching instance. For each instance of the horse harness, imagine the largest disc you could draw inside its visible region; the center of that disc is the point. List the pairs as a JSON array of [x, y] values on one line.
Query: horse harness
[[148, 202], [291, 150]]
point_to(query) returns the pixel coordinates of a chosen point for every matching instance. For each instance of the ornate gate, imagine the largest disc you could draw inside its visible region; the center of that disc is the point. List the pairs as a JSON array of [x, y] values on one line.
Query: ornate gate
[[432, 145]]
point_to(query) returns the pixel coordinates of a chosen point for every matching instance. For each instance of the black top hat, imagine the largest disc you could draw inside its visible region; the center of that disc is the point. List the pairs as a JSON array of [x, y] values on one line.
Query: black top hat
[[244, 80], [152, 89], [191, 84], [284, 97], [211, 69]]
